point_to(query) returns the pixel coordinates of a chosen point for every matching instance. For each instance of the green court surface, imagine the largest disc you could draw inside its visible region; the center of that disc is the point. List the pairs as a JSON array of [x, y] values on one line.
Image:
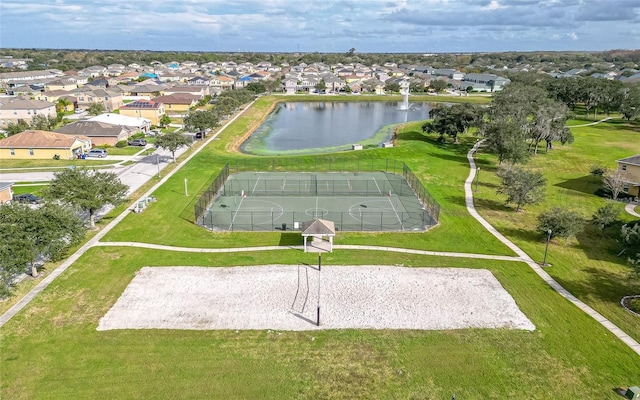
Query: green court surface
[[354, 201]]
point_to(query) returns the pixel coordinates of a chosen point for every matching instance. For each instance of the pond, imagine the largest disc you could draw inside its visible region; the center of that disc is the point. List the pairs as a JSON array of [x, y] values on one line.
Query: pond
[[314, 127]]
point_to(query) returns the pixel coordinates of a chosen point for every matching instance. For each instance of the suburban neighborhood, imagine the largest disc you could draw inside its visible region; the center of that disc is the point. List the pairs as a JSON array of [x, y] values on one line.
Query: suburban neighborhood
[[480, 240]]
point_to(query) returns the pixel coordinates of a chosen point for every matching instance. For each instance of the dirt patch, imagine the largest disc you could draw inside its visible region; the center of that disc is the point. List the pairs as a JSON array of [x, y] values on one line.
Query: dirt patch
[[286, 298]]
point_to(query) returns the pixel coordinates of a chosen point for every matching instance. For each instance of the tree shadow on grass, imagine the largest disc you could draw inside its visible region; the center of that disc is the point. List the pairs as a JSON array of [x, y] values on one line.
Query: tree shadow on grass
[[493, 205], [527, 235], [585, 184], [602, 246], [599, 284]]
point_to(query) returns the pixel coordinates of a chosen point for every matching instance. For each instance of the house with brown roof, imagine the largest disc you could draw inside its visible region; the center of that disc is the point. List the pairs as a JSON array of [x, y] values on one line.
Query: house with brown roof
[[100, 133], [34, 144], [17, 108], [152, 110], [178, 102]]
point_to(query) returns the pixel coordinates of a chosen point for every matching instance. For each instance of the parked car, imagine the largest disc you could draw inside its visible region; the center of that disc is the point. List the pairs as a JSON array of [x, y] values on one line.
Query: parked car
[[79, 111], [29, 198], [137, 142], [102, 153]]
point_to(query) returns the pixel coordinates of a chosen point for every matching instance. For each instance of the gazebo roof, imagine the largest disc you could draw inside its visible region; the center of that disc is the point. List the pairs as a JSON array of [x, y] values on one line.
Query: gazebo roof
[[318, 227]]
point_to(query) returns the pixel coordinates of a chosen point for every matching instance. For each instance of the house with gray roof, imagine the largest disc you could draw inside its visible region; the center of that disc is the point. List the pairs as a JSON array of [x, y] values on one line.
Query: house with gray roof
[[99, 132]]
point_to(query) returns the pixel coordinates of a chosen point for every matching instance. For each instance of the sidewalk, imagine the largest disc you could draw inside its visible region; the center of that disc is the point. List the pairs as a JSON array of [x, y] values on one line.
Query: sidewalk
[[619, 333]]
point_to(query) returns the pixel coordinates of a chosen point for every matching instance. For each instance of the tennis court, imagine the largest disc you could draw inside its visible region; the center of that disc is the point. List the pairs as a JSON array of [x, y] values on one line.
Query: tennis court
[[354, 201]]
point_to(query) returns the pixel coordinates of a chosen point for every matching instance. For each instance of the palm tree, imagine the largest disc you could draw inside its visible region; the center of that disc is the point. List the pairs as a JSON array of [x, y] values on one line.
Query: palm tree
[[62, 104]]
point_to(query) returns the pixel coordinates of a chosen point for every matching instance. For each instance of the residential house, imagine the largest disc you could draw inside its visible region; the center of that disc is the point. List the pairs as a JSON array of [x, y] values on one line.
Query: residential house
[[178, 102], [5, 77], [199, 91], [67, 84], [13, 109], [630, 169], [54, 95], [222, 82], [111, 100], [484, 82], [93, 71], [198, 81], [290, 85], [134, 124], [449, 73], [149, 109], [100, 133], [43, 145]]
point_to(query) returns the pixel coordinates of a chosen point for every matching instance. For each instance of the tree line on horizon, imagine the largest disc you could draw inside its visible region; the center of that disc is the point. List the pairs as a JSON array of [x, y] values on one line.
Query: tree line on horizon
[[70, 59]]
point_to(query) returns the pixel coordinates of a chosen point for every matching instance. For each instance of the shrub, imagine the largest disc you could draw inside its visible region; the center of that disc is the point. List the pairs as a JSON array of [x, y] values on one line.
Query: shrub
[[121, 143], [562, 223]]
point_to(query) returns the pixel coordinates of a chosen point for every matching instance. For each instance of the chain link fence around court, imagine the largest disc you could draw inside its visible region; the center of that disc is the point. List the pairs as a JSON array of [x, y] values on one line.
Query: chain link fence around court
[[403, 187]]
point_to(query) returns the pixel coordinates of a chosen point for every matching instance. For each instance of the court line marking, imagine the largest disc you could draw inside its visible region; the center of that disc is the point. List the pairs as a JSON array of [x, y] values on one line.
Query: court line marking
[[396, 212], [235, 214], [255, 186], [376, 182]]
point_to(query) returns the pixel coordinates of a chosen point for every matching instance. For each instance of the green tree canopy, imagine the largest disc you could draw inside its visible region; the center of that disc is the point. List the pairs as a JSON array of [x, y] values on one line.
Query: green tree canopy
[[606, 215], [521, 186], [504, 138], [88, 190], [165, 120], [96, 109], [201, 121], [18, 127], [561, 222], [453, 120], [32, 234], [172, 141], [437, 85], [43, 122]]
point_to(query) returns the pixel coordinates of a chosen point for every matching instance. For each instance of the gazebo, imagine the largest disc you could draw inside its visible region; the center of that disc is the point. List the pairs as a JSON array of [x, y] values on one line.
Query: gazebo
[[318, 230]]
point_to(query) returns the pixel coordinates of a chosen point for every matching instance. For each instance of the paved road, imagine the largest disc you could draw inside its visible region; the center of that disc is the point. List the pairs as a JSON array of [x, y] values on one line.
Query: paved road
[[134, 175]]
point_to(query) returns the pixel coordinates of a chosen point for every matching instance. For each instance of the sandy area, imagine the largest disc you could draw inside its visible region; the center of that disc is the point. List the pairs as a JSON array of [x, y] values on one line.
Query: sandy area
[[286, 298]]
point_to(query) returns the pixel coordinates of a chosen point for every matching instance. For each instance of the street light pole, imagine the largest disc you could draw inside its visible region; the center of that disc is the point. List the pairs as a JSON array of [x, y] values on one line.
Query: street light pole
[[477, 177], [546, 249]]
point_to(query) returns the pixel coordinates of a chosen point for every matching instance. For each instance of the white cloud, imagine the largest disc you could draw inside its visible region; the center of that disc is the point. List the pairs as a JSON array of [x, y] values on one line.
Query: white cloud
[[279, 25]]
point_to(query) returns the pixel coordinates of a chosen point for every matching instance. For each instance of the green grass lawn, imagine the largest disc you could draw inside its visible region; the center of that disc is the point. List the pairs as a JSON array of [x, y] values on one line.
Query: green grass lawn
[[52, 349], [46, 165]]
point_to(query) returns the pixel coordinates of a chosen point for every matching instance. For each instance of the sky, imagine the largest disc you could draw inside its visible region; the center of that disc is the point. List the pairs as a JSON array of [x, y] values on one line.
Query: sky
[[327, 26]]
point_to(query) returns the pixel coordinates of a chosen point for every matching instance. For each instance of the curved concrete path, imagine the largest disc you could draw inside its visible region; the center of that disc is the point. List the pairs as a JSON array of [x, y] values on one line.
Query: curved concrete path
[[631, 209], [590, 123], [335, 246], [619, 333]]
